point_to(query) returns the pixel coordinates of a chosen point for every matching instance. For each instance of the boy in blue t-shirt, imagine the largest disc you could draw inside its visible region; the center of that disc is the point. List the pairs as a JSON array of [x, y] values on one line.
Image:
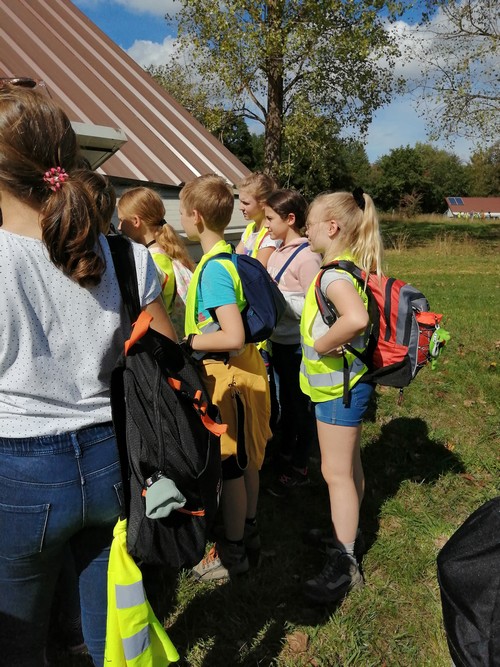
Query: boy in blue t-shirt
[[233, 371]]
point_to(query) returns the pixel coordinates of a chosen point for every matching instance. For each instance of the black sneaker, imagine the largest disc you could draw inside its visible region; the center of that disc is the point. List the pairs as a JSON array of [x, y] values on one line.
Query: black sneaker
[[253, 545], [322, 539], [340, 576]]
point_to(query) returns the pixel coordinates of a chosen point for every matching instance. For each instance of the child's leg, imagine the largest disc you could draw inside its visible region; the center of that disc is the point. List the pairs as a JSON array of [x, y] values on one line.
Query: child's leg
[[339, 434], [234, 508], [229, 556], [252, 483], [343, 473]]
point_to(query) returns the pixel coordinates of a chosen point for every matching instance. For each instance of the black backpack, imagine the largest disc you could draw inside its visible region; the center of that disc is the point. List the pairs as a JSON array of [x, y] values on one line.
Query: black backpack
[[469, 581], [265, 303], [166, 428]]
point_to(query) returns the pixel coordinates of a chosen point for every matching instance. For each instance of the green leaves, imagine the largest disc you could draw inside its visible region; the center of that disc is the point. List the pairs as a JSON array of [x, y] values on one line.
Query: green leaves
[[459, 44], [268, 54]]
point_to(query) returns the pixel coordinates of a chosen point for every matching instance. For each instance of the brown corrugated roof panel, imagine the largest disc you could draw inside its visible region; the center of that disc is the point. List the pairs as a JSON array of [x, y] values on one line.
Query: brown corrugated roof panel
[[97, 82]]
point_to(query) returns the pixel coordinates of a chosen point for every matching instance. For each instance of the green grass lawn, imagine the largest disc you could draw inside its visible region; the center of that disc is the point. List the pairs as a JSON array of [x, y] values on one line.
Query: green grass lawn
[[429, 463]]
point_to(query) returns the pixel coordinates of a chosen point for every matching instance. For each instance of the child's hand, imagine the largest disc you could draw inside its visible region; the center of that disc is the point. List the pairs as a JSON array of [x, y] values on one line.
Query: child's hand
[[336, 352]]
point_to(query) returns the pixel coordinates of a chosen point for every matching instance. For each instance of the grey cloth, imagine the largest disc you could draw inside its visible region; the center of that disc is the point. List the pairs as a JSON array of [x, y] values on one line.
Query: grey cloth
[[163, 497]]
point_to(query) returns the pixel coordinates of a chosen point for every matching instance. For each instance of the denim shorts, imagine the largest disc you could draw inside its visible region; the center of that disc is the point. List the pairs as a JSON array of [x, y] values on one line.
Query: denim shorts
[[335, 412]]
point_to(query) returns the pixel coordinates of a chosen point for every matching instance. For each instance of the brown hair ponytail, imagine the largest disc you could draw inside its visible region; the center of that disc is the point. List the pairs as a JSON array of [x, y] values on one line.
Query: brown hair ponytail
[[35, 137], [70, 232]]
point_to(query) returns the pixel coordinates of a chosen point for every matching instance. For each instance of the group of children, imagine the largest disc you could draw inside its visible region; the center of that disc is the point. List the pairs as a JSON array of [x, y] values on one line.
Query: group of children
[[58, 460], [308, 360]]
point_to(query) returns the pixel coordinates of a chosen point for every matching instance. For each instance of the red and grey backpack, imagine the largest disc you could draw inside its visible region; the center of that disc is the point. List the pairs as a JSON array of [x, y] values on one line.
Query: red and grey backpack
[[405, 334]]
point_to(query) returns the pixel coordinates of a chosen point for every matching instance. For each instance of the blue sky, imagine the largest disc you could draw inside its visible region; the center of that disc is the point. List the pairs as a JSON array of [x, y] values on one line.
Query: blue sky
[[139, 27]]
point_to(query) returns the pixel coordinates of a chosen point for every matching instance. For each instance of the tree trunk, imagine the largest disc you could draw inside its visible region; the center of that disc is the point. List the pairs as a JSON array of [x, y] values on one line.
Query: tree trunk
[[274, 71], [274, 127]]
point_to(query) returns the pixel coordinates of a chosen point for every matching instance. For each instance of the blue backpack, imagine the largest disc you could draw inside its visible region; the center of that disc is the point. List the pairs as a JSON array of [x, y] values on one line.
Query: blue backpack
[[265, 302]]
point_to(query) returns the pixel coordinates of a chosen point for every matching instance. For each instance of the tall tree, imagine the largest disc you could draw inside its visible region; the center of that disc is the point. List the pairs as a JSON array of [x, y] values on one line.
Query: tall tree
[[484, 172], [459, 49], [276, 55], [418, 178]]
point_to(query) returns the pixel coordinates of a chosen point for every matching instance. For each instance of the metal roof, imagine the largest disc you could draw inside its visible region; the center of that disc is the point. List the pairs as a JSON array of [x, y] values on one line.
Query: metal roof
[[473, 204], [96, 82]]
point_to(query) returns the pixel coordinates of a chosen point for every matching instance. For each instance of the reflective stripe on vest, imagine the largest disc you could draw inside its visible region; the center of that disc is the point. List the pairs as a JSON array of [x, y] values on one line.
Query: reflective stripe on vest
[[191, 322], [333, 378], [130, 595], [322, 376], [128, 599]]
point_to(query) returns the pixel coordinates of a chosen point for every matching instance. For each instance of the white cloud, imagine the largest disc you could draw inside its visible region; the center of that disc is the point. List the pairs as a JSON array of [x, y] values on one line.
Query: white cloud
[[155, 7], [146, 53]]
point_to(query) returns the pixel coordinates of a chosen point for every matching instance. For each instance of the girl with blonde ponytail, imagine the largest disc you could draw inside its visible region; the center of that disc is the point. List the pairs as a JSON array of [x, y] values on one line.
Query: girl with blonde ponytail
[[340, 226], [142, 218]]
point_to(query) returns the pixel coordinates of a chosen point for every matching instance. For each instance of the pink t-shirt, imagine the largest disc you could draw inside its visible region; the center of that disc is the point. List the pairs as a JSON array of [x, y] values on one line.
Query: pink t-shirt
[[294, 283]]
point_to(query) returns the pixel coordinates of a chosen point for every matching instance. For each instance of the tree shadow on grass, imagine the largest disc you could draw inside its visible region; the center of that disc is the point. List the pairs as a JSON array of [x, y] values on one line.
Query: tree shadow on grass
[[403, 451]]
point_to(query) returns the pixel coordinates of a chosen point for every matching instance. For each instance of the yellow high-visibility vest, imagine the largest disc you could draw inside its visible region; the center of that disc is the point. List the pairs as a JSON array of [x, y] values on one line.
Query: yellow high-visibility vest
[[134, 636], [250, 229], [191, 323], [322, 377]]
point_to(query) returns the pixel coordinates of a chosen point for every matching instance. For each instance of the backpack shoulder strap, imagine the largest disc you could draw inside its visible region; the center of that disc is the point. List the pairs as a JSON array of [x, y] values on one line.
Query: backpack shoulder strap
[[325, 306], [278, 276], [124, 263]]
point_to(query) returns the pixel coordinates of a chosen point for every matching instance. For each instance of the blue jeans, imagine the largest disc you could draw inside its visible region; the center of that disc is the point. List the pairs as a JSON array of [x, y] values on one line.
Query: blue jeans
[[55, 491]]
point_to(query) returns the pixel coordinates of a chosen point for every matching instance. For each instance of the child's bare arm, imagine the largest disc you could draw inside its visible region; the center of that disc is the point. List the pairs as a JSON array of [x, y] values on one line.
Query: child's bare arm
[[229, 338], [264, 255], [161, 321]]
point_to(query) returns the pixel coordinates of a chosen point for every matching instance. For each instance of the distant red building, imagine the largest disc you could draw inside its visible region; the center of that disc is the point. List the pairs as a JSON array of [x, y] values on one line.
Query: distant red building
[[469, 207]]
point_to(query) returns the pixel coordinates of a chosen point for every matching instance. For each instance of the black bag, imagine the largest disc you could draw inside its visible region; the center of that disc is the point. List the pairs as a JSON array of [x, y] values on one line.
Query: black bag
[[166, 428], [469, 582]]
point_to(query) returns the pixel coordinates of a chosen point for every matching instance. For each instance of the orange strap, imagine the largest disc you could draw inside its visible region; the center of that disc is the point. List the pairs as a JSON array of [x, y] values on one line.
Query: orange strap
[[140, 327], [213, 427], [201, 409], [191, 512], [175, 384]]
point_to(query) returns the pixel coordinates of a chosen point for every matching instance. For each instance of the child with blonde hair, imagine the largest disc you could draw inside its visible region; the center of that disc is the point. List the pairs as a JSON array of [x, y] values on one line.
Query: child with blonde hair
[[340, 226], [234, 373], [141, 213], [256, 240]]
